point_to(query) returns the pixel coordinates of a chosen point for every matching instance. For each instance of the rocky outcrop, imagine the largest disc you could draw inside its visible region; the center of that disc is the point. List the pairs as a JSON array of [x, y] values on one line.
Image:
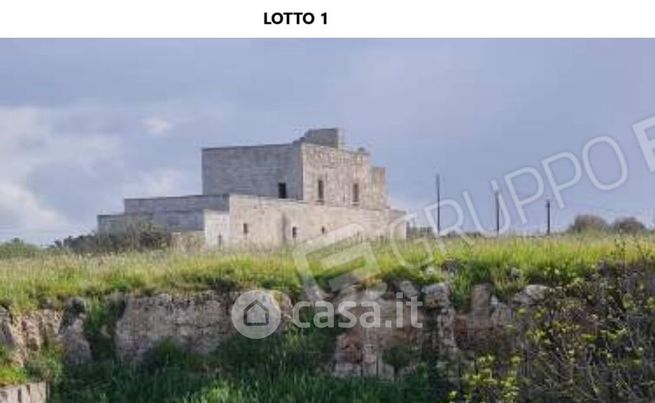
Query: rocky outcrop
[[436, 295], [27, 393], [197, 323], [200, 322], [392, 349], [486, 322], [29, 332], [532, 294], [363, 350], [25, 334]]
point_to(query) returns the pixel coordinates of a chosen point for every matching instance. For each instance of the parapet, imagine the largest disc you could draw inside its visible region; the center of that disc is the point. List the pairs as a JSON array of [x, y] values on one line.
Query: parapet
[[332, 137]]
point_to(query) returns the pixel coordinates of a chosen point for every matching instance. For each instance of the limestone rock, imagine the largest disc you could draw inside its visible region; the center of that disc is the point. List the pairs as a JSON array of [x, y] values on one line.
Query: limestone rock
[[501, 315], [29, 332], [436, 295], [77, 349], [446, 331], [481, 300], [8, 331], [487, 321], [197, 323], [532, 294], [27, 393], [408, 289], [360, 351], [350, 293]]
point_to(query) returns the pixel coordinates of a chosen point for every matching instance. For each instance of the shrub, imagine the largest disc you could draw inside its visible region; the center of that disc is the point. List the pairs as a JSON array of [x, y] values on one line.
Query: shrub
[[135, 238], [590, 340], [588, 223], [593, 337], [628, 225], [18, 248]]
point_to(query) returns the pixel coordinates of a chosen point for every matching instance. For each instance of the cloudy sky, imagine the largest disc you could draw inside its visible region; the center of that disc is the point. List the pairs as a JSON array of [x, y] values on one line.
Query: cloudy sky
[[84, 123]]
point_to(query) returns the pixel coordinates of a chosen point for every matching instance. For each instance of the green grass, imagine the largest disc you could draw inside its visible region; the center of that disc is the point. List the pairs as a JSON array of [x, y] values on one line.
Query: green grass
[[276, 369], [51, 277], [12, 375]]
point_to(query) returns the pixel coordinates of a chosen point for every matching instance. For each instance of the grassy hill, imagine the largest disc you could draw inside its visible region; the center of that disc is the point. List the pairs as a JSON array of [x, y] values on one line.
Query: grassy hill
[[278, 370], [507, 263]]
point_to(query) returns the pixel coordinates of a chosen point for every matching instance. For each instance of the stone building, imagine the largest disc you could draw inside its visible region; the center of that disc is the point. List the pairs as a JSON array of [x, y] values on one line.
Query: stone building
[[271, 195]]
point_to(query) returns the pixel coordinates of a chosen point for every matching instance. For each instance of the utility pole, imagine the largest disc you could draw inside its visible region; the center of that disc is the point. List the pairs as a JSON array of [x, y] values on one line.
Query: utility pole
[[547, 216], [497, 205], [438, 205]]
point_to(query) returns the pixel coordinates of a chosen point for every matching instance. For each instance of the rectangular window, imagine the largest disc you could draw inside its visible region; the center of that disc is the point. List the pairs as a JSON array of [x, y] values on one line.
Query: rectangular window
[[282, 190], [294, 232], [245, 228], [321, 191], [355, 193]]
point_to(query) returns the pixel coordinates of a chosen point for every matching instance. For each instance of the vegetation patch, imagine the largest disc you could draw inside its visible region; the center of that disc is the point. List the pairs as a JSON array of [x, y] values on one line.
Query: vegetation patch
[[507, 263], [288, 368]]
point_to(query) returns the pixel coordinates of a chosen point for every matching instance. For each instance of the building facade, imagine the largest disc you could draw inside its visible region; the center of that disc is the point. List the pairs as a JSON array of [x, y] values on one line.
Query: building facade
[[272, 195]]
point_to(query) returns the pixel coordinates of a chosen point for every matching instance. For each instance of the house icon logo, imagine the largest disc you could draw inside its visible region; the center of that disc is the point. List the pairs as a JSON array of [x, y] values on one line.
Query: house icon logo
[[256, 314]]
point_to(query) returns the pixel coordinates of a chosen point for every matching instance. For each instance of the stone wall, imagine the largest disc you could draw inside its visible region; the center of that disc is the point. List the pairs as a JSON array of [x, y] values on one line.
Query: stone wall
[[258, 170], [378, 187], [325, 137], [27, 393], [271, 222], [200, 322], [252, 170], [217, 229], [178, 203], [340, 170], [28, 333], [170, 221]]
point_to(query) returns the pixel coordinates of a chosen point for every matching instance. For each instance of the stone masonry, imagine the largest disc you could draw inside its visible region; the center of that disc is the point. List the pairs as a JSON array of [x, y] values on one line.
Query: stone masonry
[[272, 195]]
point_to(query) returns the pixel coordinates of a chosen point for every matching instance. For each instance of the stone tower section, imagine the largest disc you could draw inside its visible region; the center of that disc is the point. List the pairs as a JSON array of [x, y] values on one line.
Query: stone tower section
[[324, 137], [268, 170]]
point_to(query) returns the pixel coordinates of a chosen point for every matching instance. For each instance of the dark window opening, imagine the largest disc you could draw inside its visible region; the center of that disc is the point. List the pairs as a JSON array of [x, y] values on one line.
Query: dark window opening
[[356, 193], [294, 232], [245, 228], [323, 230], [321, 191], [282, 190]]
